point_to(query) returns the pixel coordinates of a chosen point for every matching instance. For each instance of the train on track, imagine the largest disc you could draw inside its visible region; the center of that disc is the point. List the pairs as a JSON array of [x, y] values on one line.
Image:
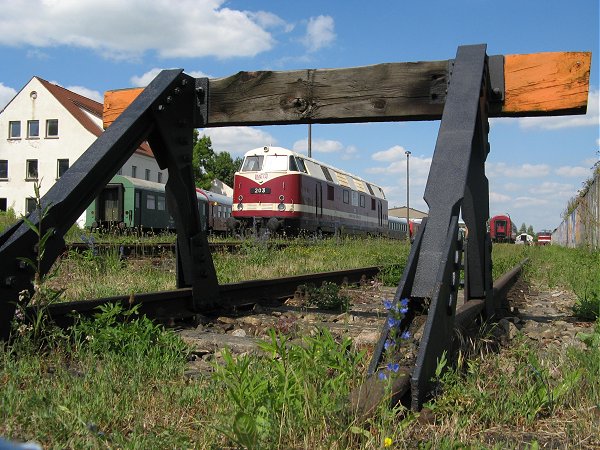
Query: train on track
[[502, 229], [282, 192], [131, 203]]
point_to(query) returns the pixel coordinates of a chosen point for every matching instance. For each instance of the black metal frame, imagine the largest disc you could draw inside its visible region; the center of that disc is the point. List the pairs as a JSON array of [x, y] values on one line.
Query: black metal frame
[[174, 104], [165, 114], [456, 182]]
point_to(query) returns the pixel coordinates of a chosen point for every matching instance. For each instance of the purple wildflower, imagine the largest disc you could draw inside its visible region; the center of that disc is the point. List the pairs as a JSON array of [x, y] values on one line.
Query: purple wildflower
[[389, 343], [404, 310], [404, 302], [405, 335], [382, 376], [392, 322], [393, 367], [387, 304]]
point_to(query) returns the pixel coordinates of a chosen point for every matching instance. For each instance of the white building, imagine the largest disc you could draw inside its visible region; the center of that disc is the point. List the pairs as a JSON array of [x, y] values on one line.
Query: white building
[[46, 128]]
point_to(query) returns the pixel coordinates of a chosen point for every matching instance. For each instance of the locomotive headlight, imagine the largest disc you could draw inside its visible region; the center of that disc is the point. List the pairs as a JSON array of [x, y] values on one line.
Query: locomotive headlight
[[240, 206], [281, 198], [281, 207], [240, 197]]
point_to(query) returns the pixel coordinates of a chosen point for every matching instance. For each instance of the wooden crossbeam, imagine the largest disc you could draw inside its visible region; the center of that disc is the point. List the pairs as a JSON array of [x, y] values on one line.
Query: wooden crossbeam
[[535, 84]]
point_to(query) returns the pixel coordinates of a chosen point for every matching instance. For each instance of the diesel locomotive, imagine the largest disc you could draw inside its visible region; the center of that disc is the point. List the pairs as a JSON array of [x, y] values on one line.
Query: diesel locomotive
[[280, 191]]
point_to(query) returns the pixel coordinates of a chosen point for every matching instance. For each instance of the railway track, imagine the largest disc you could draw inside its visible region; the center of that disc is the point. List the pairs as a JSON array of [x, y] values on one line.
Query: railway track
[[247, 311]]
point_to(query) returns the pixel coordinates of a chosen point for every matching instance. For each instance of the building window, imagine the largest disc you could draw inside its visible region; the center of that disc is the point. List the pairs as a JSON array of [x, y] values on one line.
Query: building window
[[150, 201], [346, 196], [30, 205], [52, 128], [32, 169], [3, 204], [3, 169], [147, 175], [61, 167], [133, 171], [33, 129], [14, 129], [159, 177]]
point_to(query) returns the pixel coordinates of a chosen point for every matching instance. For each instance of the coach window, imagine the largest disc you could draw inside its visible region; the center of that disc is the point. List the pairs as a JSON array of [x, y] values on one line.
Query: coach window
[[346, 196], [362, 201], [253, 163], [354, 198], [370, 189], [373, 204], [52, 128], [3, 204], [31, 167], [30, 205], [3, 169], [14, 129], [330, 192], [326, 173], [61, 167], [301, 166], [33, 129], [150, 201], [160, 203]]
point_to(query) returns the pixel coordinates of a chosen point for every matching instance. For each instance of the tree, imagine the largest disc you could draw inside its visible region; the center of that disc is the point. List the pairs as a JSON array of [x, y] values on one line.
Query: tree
[[523, 228], [530, 230], [209, 165]]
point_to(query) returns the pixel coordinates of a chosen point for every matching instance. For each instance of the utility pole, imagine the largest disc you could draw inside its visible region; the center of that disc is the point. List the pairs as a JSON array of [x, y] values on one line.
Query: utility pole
[[407, 153]]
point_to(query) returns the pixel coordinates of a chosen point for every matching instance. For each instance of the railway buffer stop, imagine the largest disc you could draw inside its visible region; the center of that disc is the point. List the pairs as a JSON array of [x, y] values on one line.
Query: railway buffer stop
[[463, 93]]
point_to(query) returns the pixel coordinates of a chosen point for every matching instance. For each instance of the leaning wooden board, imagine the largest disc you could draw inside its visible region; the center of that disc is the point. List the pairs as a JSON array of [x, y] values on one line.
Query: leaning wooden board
[[536, 84]]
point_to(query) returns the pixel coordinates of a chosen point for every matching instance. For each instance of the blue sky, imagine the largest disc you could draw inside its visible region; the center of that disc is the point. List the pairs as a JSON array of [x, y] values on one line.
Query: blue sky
[[535, 164]]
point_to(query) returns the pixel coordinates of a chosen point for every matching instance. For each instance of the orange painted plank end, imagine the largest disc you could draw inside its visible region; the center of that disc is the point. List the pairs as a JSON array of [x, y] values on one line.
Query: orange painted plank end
[[546, 83], [115, 103]]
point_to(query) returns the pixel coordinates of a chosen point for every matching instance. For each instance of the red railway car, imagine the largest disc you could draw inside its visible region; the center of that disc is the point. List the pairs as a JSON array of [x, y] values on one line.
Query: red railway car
[[502, 229], [285, 192], [544, 237]]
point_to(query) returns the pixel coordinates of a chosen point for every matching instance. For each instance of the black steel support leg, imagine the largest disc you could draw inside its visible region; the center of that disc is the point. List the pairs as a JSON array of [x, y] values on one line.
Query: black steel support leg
[[456, 174]]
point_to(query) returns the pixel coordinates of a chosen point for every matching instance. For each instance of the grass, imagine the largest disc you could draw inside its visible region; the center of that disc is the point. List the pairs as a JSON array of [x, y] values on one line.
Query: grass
[[124, 384]]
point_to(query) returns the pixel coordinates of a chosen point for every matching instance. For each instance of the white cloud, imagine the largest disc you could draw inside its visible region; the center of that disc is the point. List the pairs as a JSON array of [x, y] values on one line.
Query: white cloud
[[419, 170], [512, 187], [118, 29], [591, 118], [146, 78], [572, 171], [237, 140], [394, 153], [499, 198], [89, 93], [319, 33], [522, 171], [6, 95], [552, 189], [522, 202], [318, 145]]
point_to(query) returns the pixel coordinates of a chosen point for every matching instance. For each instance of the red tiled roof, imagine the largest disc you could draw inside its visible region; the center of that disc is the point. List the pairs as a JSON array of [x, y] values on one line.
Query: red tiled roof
[[76, 104]]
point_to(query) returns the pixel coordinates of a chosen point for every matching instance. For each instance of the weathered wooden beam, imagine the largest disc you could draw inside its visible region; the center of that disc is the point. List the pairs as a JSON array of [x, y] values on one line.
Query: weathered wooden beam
[[536, 84]]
